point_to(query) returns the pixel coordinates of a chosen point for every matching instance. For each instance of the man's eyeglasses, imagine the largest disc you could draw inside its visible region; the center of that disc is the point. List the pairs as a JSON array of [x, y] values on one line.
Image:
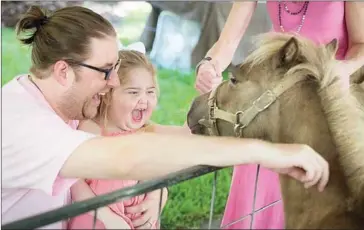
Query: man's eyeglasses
[[107, 72]]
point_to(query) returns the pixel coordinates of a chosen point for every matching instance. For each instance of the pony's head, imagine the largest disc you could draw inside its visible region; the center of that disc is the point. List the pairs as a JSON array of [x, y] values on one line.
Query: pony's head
[[283, 73]]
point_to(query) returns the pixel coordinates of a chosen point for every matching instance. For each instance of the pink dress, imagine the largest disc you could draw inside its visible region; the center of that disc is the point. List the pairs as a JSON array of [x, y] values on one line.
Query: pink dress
[[100, 187], [324, 22]]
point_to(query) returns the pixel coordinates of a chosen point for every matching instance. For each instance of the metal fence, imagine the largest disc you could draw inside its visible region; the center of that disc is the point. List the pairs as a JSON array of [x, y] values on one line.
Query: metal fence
[[73, 210]]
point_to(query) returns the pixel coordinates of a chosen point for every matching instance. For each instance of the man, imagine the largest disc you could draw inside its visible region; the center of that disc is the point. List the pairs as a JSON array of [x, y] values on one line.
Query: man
[[75, 59]]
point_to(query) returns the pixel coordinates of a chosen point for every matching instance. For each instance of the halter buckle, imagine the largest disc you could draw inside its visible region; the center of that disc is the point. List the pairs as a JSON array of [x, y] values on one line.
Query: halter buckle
[[212, 112], [238, 127]]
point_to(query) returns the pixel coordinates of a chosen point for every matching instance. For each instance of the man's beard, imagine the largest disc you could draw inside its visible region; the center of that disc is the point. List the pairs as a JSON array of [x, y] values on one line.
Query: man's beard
[[77, 107]]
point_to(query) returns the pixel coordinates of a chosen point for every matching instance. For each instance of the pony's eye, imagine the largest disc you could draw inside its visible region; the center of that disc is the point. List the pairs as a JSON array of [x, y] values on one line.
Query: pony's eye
[[233, 80]]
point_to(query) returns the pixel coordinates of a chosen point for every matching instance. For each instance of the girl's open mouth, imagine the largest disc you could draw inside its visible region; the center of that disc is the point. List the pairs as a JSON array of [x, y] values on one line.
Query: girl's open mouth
[[137, 115]]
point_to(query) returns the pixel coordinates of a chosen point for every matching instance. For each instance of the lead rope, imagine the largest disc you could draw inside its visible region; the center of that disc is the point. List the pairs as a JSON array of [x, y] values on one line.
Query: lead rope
[[95, 219], [255, 197], [160, 210], [255, 189], [213, 195]]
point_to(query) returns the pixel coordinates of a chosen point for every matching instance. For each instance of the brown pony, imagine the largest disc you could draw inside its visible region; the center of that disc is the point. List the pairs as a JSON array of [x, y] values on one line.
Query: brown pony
[[286, 91]]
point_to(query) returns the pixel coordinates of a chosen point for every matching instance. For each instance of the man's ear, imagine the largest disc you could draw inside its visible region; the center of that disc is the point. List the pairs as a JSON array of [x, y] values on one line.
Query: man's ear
[[289, 52], [61, 71]]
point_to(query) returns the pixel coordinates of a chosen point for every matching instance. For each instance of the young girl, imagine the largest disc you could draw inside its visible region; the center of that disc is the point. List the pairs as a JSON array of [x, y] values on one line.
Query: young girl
[[125, 110]]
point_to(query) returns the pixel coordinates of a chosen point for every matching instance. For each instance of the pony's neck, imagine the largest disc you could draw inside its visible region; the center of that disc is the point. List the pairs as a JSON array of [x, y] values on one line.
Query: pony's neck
[[346, 122], [301, 120], [344, 116]]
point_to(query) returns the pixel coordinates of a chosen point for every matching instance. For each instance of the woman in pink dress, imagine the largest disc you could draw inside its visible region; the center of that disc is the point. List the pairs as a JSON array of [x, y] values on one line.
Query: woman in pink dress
[[320, 21]]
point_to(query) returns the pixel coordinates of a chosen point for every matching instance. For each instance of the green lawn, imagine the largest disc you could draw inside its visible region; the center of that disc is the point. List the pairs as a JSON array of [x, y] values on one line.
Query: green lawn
[[189, 202]]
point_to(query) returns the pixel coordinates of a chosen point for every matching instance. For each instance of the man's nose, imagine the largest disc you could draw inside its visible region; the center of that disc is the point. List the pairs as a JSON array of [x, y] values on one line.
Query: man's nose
[[114, 80]]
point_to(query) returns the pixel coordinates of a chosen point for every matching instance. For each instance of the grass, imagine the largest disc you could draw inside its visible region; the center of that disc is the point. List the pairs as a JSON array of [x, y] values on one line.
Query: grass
[[189, 202]]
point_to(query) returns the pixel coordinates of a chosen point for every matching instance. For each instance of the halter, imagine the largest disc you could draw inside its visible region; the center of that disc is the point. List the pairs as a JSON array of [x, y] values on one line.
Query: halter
[[242, 118]]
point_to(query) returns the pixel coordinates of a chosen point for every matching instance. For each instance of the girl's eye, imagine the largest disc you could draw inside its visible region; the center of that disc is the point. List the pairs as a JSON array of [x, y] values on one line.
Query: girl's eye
[[151, 92]]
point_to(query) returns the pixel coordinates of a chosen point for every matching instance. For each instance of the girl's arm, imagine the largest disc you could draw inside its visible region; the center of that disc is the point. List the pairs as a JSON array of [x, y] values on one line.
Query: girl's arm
[[82, 191], [89, 126], [167, 129]]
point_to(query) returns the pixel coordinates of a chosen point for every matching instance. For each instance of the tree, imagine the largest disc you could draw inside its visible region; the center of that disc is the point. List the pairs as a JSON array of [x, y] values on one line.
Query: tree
[[11, 11]]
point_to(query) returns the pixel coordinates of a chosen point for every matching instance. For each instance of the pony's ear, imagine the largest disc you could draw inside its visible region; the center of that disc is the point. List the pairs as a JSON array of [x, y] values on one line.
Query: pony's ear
[[289, 52], [332, 46]]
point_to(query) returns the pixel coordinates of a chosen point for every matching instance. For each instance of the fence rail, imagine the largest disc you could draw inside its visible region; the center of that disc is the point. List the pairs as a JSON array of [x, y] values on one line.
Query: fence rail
[[81, 207]]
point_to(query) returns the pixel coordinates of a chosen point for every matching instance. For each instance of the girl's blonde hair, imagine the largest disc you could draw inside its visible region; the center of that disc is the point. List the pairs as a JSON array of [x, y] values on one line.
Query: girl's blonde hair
[[129, 60]]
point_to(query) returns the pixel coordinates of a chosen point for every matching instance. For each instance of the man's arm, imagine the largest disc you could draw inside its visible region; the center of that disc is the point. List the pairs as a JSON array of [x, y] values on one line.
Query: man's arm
[[148, 155], [144, 156]]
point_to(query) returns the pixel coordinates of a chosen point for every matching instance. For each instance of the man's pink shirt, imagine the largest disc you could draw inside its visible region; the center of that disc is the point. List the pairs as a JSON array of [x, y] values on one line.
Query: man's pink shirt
[[36, 143]]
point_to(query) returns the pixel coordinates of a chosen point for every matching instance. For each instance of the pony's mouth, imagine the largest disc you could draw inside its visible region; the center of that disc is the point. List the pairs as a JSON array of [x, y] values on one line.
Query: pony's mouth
[[197, 129]]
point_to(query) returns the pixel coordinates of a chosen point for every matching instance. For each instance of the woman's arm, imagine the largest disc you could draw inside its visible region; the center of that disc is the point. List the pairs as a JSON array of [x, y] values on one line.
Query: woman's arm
[[354, 14], [223, 50]]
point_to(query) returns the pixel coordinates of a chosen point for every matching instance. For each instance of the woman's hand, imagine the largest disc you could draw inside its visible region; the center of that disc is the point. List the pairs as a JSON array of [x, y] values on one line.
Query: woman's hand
[[208, 76], [298, 161], [148, 209], [209, 73]]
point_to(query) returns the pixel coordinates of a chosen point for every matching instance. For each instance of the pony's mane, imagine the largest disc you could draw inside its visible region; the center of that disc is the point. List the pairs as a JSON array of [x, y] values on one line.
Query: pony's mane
[[319, 60], [342, 110]]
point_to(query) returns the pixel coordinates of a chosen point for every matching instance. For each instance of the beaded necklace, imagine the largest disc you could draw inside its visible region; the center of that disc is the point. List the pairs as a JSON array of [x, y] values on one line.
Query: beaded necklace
[[304, 9]]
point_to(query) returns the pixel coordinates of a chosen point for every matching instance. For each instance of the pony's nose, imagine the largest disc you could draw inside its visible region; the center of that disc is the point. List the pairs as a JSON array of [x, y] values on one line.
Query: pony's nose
[[191, 120], [198, 111]]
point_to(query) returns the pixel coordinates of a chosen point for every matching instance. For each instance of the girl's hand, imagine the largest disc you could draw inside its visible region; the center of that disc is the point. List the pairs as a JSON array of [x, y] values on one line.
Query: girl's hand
[[114, 221], [149, 209]]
